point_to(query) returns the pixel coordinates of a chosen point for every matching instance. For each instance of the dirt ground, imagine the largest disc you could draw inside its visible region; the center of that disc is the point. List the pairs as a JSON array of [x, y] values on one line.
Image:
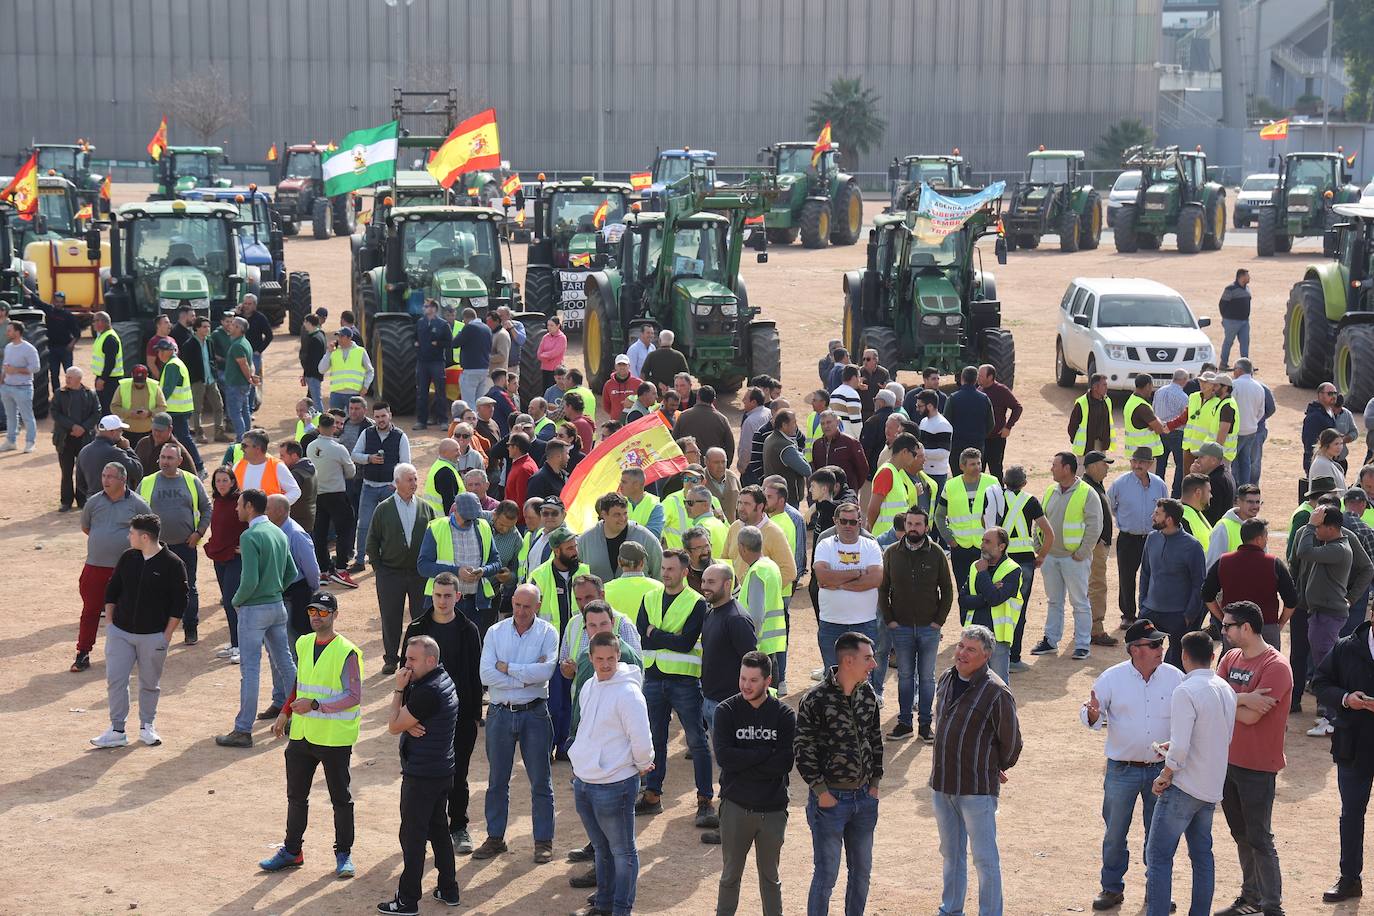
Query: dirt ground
[[179, 828]]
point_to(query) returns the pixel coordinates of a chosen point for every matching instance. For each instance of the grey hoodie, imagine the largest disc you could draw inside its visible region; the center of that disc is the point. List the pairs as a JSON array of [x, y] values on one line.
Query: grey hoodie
[[333, 463], [1333, 574]]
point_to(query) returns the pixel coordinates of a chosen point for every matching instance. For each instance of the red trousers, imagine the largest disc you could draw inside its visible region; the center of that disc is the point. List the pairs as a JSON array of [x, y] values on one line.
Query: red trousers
[[92, 587]]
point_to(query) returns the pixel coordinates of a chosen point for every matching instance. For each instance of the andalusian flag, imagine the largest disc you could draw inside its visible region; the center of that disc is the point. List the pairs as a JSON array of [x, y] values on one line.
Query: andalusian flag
[[22, 191], [364, 157], [647, 443], [823, 144], [474, 145], [511, 185], [1275, 130], [272, 153], [641, 180], [159, 141]]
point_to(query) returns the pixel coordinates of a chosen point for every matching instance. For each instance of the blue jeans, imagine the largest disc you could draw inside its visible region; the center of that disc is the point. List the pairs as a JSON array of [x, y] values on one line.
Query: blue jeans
[[532, 731], [964, 821], [238, 407], [1173, 451], [181, 428], [427, 374], [608, 814], [367, 505], [227, 575], [338, 400], [827, 633], [1241, 468], [18, 401], [312, 389], [471, 385], [664, 696], [847, 826], [259, 625], [1061, 574], [1178, 814], [1121, 786], [1257, 453], [916, 648], [1232, 330]]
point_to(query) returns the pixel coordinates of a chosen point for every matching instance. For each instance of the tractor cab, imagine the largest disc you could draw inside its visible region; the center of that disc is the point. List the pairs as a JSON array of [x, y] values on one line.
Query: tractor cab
[[818, 202], [451, 255], [573, 221], [72, 161], [670, 165], [1309, 188], [943, 173], [182, 168], [1050, 199], [260, 243], [56, 216], [1177, 195]]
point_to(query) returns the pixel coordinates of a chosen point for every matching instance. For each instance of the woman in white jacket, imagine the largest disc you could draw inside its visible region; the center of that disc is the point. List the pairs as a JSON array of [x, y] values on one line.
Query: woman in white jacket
[[612, 750]]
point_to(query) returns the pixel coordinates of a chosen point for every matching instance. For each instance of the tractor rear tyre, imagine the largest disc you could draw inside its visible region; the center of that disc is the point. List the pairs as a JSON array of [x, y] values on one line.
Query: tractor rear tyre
[[1064, 376], [1353, 364], [815, 224], [1214, 233], [999, 351], [598, 353], [847, 218], [291, 228], [297, 300], [1010, 239], [343, 218], [540, 283], [1124, 230], [37, 334], [531, 374], [883, 340], [1090, 223], [852, 326], [1068, 229], [765, 350], [1308, 336], [1266, 232], [366, 314], [319, 218], [1283, 243], [395, 364], [1189, 229], [781, 236], [131, 340]]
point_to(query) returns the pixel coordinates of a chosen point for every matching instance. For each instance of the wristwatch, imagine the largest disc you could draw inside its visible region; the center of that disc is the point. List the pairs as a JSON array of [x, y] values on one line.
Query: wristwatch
[[315, 705]]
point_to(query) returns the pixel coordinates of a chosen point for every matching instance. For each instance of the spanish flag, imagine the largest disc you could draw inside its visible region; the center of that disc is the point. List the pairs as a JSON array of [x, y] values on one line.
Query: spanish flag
[[22, 191], [1350, 160], [822, 145], [105, 188], [647, 443], [159, 141], [511, 185], [599, 217], [272, 153], [1275, 130], [86, 212], [473, 145], [641, 180], [580, 260]]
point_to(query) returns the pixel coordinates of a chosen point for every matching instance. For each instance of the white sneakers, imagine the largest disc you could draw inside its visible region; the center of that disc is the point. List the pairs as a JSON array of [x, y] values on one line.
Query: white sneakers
[[234, 656], [149, 736], [7, 446], [30, 447], [111, 738], [229, 652], [1321, 729]]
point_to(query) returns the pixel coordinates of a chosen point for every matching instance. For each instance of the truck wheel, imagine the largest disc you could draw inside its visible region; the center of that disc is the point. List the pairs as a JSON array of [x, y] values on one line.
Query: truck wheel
[[1124, 230], [297, 300], [848, 215], [319, 218], [1353, 364], [999, 351], [815, 224], [343, 218], [765, 350], [395, 363], [1189, 229], [781, 236], [1308, 336], [1090, 224], [1214, 233], [1266, 232]]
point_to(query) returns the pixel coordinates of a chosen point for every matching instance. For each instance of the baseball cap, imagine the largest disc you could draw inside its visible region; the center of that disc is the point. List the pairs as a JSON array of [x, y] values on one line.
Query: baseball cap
[[633, 553], [163, 421], [1212, 450], [323, 599], [140, 371], [561, 535], [552, 502], [1357, 494], [165, 344], [1095, 456], [1224, 378], [622, 360], [467, 505], [1143, 631], [110, 422]]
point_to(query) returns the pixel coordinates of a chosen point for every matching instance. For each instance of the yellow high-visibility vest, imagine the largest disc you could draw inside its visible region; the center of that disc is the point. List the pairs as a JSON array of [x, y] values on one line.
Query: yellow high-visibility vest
[[322, 680], [1197, 524], [1211, 415], [548, 590], [1195, 432], [1020, 538], [179, 401], [625, 592], [1004, 615], [443, 548], [1080, 435], [773, 634], [1074, 523], [145, 490], [1136, 436], [346, 372], [431, 494], [672, 621], [965, 517], [98, 355]]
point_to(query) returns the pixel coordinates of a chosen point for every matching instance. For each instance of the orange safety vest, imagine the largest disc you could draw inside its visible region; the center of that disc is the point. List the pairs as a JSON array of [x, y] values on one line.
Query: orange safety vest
[[270, 484]]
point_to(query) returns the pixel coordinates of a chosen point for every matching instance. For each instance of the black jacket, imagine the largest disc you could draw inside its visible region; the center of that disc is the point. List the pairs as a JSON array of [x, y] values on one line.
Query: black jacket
[[1348, 667], [434, 702], [464, 667], [726, 634], [546, 482], [80, 407], [147, 592], [754, 750], [312, 351], [259, 331]]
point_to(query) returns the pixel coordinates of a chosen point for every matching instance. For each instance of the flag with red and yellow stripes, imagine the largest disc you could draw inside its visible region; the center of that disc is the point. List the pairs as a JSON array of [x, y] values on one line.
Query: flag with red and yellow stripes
[[272, 153], [22, 191], [647, 444], [158, 144], [1275, 130], [599, 217], [105, 188], [472, 146], [641, 180], [511, 185], [823, 144]]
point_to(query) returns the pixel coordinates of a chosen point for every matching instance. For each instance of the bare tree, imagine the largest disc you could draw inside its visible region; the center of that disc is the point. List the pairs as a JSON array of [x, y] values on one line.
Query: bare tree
[[203, 102]]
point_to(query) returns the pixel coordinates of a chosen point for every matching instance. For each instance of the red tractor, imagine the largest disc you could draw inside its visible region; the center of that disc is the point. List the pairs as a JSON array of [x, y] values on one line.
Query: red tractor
[[300, 197]]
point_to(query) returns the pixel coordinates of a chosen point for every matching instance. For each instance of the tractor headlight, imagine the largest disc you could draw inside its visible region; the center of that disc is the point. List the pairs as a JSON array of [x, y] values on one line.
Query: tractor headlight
[[165, 304], [931, 321], [1159, 206], [453, 302], [729, 309], [1299, 208], [702, 309], [198, 303], [478, 302], [952, 321], [1115, 351]]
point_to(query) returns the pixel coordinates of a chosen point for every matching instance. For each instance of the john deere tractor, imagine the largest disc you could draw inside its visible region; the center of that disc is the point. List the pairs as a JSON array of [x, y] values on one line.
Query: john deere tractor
[[73, 162], [1310, 186], [820, 203], [1051, 201], [924, 300], [1329, 323], [1176, 195], [182, 168], [669, 166], [679, 269], [299, 197], [943, 173], [368, 242], [571, 219]]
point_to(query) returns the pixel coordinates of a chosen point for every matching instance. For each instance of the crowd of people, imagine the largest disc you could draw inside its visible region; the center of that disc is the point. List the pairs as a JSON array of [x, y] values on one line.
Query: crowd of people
[[890, 505]]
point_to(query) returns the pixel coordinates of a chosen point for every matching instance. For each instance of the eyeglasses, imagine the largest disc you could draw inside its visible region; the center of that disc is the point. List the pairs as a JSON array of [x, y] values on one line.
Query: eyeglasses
[[318, 611], [847, 522], [1330, 393], [1227, 626]]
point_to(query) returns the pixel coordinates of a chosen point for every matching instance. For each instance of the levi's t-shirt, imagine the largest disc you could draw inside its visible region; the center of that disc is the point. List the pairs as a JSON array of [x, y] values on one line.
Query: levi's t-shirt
[[1259, 746]]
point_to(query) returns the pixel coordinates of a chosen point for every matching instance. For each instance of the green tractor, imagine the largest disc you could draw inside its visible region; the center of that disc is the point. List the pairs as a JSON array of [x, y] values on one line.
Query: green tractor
[[573, 220], [1328, 328], [368, 242], [924, 300], [821, 203], [1051, 201], [451, 255], [1310, 186], [73, 162], [1176, 195], [943, 173], [183, 168], [679, 269]]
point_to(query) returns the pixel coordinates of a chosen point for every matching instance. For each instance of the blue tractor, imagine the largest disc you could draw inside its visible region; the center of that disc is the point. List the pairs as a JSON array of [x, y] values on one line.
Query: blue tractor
[[671, 165]]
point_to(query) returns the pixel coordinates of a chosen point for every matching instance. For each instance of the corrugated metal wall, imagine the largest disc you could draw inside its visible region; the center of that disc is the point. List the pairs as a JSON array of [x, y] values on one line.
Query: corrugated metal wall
[[994, 77]]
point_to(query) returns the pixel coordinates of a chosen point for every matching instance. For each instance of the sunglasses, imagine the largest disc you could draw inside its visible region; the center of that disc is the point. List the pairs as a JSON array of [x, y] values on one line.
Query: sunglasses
[[847, 522], [1152, 643], [318, 611]]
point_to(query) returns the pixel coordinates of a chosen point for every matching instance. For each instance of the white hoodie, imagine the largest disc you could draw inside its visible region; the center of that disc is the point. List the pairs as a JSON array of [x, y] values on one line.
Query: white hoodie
[[613, 741]]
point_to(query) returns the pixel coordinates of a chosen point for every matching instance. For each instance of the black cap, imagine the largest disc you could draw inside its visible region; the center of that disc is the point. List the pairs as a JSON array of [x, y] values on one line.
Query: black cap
[[1095, 456], [1143, 630], [324, 600]]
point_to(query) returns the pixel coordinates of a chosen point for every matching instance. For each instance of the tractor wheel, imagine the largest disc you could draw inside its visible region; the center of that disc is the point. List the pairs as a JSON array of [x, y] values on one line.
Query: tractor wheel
[[291, 229], [1064, 376], [297, 300], [319, 218], [395, 364], [598, 350], [765, 350], [540, 283], [1214, 233], [1266, 232], [847, 216], [1124, 231], [131, 340], [1068, 229], [883, 340], [1090, 224], [344, 220], [852, 328], [815, 224], [999, 351], [1010, 239], [781, 236], [366, 313], [531, 375], [37, 334], [1028, 241], [1189, 229], [1353, 364], [1308, 336], [1283, 243]]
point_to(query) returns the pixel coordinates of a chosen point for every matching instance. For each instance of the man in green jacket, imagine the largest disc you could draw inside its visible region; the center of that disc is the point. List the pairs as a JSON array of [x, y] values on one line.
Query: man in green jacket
[[267, 570]]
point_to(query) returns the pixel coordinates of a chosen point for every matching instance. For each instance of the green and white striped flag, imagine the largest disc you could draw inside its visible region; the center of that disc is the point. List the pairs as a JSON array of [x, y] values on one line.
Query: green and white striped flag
[[363, 158]]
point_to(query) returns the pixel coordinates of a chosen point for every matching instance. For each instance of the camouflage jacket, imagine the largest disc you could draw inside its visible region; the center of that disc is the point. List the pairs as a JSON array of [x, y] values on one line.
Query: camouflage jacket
[[839, 744]]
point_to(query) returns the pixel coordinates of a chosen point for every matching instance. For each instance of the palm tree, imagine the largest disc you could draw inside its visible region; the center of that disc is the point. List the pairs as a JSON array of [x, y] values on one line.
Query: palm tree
[[852, 112], [1120, 137]]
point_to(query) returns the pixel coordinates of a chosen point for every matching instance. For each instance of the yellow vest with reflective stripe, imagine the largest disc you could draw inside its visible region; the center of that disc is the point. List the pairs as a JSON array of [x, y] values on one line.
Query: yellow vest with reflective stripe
[[302, 428], [1020, 538], [1004, 615], [1232, 534], [966, 521], [675, 520], [1367, 516], [578, 625], [1212, 416], [98, 355], [179, 401], [1080, 435], [773, 634], [1197, 524], [323, 680], [443, 548], [145, 490], [1136, 436], [124, 393], [431, 494], [1195, 432], [1074, 524], [541, 424], [672, 621], [548, 590], [811, 430], [789, 531], [719, 532], [346, 372], [641, 512], [897, 499], [625, 592]]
